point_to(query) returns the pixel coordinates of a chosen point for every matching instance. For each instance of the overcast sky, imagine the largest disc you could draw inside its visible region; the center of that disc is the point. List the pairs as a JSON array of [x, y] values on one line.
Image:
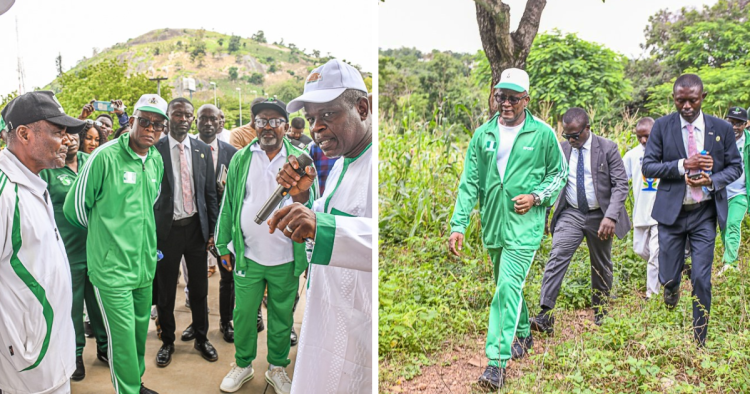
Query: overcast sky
[[345, 28], [452, 25]]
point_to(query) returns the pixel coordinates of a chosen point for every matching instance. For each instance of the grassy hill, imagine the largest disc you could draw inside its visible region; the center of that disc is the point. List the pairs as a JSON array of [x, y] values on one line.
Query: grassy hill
[[170, 53]]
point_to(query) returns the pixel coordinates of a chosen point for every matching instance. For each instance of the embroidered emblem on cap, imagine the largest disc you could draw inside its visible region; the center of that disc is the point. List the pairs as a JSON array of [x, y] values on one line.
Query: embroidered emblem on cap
[[58, 103], [314, 77], [152, 100]]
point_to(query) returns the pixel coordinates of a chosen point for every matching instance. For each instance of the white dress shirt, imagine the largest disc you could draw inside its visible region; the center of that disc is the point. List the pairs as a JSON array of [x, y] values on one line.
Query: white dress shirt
[[224, 135], [571, 193], [260, 246], [174, 151], [507, 138], [699, 129]]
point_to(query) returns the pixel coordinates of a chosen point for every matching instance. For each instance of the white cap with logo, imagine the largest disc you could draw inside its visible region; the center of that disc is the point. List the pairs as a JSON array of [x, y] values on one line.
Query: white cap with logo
[[326, 83], [514, 79], [152, 103]]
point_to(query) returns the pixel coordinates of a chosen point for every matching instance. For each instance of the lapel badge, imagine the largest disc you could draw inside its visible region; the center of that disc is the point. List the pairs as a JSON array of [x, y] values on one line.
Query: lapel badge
[[202, 153], [718, 138]]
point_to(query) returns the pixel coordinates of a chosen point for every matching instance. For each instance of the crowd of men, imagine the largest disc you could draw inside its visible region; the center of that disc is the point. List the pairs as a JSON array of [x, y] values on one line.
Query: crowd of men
[[688, 174], [107, 221]]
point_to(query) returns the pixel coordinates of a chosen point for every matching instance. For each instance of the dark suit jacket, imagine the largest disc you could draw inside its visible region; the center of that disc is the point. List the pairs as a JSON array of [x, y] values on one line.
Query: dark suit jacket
[[226, 152], [610, 183], [204, 182], [663, 152]]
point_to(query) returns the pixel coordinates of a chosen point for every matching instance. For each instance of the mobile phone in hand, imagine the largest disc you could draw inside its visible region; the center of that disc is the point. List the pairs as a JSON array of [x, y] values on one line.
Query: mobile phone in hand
[[696, 176], [103, 106], [214, 252]]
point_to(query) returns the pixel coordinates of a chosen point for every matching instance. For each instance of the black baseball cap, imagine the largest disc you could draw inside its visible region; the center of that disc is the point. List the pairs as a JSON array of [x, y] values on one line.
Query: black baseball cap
[[738, 113], [271, 103], [35, 106]]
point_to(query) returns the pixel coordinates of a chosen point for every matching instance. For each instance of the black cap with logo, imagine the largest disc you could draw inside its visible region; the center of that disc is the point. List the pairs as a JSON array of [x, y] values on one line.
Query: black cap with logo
[[35, 106], [274, 104], [738, 113]]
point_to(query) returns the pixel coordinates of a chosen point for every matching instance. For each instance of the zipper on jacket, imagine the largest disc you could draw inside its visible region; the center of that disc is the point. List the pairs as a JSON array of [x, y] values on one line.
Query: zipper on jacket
[[57, 236]]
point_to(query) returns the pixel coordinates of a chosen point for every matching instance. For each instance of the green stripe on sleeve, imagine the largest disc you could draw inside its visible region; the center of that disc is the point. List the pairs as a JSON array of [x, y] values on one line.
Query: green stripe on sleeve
[[324, 236], [29, 280]]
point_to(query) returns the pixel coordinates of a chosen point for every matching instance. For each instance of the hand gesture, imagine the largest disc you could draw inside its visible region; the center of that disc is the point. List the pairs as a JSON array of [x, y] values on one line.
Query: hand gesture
[[606, 229], [295, 221], [699, 162], [289, 178], [523, 203], [117, 107], [87, 110], [456, 243]]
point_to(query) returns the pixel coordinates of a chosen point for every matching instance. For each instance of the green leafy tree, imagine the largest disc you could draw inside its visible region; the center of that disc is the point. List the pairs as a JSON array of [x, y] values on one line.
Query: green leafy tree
[[566, 71], [107, 80], [273, 68], [260, 36], [220, 41], [233, 73], [286, 91], [234, 43], [255, 79]]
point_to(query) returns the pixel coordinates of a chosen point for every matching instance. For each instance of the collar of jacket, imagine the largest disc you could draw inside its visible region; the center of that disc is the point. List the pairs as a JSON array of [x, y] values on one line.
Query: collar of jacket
[[124, 142], [529, 124]]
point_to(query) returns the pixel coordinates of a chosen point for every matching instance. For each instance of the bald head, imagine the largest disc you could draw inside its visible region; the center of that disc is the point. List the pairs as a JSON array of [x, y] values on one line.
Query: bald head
[[209, 122], [643, 130]]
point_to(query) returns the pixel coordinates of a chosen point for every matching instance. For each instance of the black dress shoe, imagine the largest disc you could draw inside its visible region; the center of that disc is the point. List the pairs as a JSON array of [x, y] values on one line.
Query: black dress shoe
[[164, 355], [521, 346], [188, 334], [207, 350], [80, 371], [87, 330], [294, 337], [671, 298], [228, 331], [102, 356], [261, 327], [492, 378], [144, 390], [543, 322]]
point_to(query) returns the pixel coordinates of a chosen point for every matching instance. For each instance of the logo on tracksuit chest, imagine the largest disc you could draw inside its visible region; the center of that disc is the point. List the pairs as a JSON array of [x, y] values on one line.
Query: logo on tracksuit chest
[[491, 146]]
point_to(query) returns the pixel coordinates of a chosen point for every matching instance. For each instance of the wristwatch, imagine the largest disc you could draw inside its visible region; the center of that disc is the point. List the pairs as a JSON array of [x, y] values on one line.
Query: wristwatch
[[537, 200]]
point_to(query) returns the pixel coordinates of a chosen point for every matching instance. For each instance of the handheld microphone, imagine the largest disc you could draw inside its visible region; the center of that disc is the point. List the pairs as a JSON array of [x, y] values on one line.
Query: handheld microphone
[[281, 192]]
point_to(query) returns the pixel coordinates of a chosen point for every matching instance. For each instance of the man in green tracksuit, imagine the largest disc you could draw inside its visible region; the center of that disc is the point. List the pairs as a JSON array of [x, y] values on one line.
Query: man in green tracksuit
[[737, 191], [515, 167], [114, 198], [262, 258], [59, 181]]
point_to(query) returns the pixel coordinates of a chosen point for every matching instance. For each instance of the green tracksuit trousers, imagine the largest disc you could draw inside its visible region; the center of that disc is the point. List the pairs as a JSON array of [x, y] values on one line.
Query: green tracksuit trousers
[[509, 316], [126, 314], [731, 236], [282, 289], [84, 291]]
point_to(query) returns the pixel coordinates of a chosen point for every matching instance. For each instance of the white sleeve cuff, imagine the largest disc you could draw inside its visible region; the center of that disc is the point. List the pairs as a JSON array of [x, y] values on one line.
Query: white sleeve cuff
[[680, 167]]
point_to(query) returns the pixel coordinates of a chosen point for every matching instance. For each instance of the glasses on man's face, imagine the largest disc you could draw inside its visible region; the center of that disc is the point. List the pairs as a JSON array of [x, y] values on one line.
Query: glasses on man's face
[[513, 100], [575, 136], [96, 123], [736, 123], [261, 123], [145, 123]]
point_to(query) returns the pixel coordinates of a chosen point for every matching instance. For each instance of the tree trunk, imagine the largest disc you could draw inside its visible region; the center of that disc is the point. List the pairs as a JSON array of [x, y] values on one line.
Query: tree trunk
[[503, 48]]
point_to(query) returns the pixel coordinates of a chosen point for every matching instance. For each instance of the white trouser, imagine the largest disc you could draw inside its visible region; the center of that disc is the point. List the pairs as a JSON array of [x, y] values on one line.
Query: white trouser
[[646, 245], [64, 389]]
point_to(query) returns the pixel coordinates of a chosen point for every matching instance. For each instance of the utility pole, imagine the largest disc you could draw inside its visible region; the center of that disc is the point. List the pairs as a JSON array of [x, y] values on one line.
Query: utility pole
[[158, 83], [240, 90], [21, 72]]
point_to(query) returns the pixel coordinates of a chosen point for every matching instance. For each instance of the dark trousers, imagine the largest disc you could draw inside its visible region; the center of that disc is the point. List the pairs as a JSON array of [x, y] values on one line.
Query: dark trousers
[[698, 227], [570, 230], [226, 292], [183, 241]]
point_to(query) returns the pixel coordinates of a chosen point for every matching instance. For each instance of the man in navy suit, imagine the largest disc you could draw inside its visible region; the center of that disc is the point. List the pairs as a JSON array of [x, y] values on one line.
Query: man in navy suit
[[692, 192]]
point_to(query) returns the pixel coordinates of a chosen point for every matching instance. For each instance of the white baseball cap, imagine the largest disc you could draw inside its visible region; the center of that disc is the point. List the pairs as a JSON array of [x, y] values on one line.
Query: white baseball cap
[[514, 79], [326, 83], [152, 103]]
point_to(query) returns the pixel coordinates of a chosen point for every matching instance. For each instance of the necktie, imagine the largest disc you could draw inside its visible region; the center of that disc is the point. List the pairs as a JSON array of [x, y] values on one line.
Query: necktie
[[187, 186], [583, 204], [695, 192], [215, 157]]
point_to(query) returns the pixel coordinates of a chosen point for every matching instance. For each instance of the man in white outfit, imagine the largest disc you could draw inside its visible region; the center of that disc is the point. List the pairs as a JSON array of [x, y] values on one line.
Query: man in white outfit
[[335, 347], [37, 341], [645, 229]]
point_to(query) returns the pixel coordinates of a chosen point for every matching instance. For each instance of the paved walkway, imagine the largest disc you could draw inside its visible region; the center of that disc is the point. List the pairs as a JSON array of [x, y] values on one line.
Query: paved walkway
[[188, 373]]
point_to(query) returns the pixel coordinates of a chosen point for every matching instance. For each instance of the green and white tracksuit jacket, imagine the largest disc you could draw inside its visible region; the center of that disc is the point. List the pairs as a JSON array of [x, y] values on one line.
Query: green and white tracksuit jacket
[[37, 341], [339, 297], [228, 236], [114, 198], [536, 165]]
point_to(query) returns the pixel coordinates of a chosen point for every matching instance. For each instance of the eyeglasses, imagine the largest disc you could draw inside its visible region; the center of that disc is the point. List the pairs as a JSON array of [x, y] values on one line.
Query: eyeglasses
[[735, 122], [513, 100], [145, 123], [90, 123], [575, 136], [261, 123]]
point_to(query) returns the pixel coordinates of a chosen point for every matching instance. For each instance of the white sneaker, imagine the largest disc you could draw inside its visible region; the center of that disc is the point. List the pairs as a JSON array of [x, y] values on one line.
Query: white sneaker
[[236, 378], [725, 268], [279, 380]]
